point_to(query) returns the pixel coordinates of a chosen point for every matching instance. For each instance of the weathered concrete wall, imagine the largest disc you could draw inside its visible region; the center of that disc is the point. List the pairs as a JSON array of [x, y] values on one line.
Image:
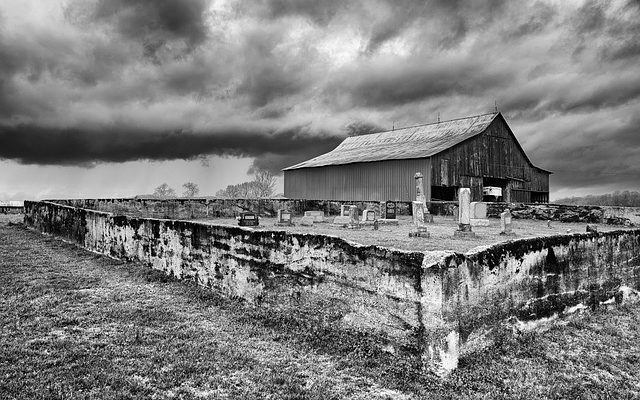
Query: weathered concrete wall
[[431, 301], [533, 278], [370, 287], [202, 208]]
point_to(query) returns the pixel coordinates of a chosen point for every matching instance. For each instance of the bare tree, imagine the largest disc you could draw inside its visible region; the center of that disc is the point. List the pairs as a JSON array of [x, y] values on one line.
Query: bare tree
[[164, 190], [264, 183], [261, 186], [190, 189]]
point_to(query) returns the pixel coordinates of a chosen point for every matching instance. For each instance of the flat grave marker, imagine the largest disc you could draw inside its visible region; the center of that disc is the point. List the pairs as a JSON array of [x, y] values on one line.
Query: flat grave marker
[[318, 216]]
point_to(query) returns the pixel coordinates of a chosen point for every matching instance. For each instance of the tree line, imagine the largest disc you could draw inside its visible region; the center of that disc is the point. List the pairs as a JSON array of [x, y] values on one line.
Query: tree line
[[262, 185], [625, 198]]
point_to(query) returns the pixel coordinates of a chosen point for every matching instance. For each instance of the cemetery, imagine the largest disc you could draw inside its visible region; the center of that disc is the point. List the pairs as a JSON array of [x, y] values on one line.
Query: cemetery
[[421, 281]]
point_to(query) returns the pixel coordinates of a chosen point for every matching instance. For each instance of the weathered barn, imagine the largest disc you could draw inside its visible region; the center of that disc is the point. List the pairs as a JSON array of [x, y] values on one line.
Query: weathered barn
[[474, 152]]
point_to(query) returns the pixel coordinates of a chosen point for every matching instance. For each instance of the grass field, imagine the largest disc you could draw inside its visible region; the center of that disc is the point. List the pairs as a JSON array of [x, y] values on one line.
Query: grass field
[[77, 325]]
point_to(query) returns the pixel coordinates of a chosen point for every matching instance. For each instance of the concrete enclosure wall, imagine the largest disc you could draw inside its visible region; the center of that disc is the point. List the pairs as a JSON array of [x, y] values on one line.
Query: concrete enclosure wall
[[429, 301], [203, 208]]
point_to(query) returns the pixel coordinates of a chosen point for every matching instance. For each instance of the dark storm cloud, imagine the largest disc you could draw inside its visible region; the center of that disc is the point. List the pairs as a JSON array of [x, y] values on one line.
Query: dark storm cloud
[[386, 85], [267, 74], [141, 19], [604, 151], [320, 12], [37, 145]]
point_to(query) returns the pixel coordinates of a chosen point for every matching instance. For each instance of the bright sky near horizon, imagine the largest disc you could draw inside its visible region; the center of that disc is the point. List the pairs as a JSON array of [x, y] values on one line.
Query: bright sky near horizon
[[111, 98]]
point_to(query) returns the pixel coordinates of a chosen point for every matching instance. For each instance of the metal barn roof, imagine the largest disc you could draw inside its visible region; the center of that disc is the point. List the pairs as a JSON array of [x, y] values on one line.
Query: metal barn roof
[[411, 142]]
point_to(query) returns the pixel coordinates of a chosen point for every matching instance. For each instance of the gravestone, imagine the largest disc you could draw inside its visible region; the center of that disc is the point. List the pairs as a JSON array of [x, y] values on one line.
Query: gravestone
[[354, 222], [478, 214], [368, 216], [344, 210], [420, 196], [464, 214], [418, 211], [505, 223], [284, 218], [390, 211], [420, 188], [344, 219], [318, 216], [248, 219]]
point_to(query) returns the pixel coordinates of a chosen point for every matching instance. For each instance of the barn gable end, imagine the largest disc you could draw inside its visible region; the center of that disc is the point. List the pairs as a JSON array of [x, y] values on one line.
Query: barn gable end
[[492, 158]]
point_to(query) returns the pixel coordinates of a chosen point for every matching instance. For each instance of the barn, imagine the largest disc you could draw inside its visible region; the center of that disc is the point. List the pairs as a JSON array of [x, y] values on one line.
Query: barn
[[478, 152]]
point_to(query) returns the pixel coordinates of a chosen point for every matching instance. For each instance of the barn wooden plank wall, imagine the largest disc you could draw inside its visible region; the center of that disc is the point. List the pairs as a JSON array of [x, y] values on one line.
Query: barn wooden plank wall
[[493, 154], [371, 181]]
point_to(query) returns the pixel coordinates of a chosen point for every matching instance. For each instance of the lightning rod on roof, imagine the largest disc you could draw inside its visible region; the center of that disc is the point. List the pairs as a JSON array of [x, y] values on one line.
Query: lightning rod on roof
[[495, 105], [438, 117], [393, 125]]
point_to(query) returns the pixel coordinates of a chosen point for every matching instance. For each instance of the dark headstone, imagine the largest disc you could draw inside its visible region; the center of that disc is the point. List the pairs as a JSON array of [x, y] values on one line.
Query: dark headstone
[[390, 210], [248, 219]]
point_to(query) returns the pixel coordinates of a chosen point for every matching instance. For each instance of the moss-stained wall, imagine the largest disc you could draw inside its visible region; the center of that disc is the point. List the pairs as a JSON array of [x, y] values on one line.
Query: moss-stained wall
[[372, 288], [431, 301]]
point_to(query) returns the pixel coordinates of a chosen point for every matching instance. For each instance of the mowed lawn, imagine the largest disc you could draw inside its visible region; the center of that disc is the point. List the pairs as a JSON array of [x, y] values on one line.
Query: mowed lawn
[[76, 325]]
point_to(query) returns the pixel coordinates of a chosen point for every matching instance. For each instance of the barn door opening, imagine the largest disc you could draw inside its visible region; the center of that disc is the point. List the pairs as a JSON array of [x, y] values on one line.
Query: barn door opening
[[494, 189]]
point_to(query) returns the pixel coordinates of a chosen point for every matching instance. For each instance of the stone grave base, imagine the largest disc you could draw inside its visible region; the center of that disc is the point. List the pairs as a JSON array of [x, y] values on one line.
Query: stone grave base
[[464, 234], [284, 223], [341, 220], [385, 221], [420, 232], [307, 221], [479, 222], [511, 234]]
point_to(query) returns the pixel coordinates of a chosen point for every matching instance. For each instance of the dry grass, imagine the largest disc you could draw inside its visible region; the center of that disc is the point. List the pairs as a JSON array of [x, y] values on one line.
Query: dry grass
[[77, 325], [441, 232]]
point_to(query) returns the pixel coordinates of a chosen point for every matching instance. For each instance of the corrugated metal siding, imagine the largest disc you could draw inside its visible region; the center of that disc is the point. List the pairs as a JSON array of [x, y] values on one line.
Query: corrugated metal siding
[[371, 181]]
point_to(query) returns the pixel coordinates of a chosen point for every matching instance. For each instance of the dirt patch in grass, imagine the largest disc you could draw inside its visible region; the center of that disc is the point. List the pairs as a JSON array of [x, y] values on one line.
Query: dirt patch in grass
[[78, 325]]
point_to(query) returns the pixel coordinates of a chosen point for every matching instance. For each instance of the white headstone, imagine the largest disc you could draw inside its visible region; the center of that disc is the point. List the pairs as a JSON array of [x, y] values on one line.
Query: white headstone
[[344, 210], [478, 210], [420, 188], [318, 216], [368, 216], [464, 204], [505, 223], [417, 209]]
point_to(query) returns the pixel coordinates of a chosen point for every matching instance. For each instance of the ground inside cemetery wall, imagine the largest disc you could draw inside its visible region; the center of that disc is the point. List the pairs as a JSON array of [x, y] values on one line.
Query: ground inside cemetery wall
[[441, 232]]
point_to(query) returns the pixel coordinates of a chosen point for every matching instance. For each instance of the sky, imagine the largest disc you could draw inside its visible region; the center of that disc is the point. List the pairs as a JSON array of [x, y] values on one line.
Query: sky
[[111, 98]]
